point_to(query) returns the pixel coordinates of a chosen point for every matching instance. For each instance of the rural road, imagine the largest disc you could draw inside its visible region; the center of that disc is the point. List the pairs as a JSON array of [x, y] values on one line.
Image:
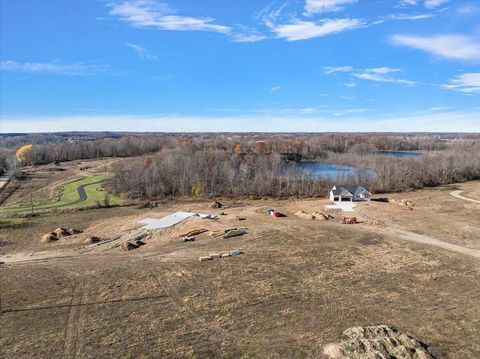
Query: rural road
[[456, 194], [82, 196]]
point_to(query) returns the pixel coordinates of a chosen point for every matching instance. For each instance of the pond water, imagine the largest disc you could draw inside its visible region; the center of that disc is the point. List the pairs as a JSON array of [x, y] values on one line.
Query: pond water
[[329, 170], [398, 154]]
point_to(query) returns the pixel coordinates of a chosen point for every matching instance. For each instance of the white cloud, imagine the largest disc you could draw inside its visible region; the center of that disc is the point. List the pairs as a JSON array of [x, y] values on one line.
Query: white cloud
[[381, 74], [275, 89], [431, 4], [318, 6], [142, 52], [449, 46], [332, 69], [302, 30], [52, 68], [147, 13], [434, 3], [407, 2], [468, 83], [248, 37]]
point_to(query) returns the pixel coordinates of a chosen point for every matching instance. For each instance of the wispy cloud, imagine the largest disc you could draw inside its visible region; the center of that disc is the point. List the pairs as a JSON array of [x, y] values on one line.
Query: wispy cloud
[[142, 52], [434, 3], [53, 67], [302, 30], [152, 14], [381, 74], [449, 46], [378, 74], [332, 69], [431, 4], [468, 83], [158, 15], [275, 89], [319, 6]]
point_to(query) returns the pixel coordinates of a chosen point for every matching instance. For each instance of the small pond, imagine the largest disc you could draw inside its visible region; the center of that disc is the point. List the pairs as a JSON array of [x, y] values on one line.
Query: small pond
[[329, 170]]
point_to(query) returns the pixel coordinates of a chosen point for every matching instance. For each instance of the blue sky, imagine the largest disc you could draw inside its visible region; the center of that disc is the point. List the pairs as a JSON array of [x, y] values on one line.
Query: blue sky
[[240, 65]]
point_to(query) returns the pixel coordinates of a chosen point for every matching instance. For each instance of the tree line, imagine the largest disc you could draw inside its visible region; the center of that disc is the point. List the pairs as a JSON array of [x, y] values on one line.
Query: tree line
[[177, 173]]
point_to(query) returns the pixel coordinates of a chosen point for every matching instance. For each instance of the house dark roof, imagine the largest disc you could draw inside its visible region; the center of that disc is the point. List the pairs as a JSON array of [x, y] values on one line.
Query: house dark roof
[[350, 188]]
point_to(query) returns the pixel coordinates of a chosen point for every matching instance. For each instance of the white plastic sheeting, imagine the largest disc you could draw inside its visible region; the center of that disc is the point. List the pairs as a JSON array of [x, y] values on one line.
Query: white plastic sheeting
[[167, 221]]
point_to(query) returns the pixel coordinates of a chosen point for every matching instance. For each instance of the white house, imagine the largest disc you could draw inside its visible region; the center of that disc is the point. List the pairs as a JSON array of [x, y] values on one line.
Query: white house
[[342, 193]]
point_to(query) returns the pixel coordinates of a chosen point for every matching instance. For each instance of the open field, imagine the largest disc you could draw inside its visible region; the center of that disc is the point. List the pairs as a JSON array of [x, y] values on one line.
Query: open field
[[297, 286]]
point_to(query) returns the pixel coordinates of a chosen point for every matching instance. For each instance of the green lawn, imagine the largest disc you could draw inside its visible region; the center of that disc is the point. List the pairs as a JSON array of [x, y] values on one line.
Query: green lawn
[[70, 196]]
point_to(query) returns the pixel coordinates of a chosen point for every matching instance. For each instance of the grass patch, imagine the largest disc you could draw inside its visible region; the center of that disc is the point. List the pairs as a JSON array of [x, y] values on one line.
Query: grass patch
[[70, 197]]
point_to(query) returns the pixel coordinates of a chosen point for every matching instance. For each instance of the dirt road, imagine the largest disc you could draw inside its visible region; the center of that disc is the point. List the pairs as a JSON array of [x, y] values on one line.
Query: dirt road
[[418, 238], [456, 194]]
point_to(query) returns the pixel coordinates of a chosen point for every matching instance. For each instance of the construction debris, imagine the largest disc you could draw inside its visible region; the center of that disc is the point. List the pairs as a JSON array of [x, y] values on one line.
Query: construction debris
[[188, 239], [234, 233], [272, 212], [402, 203], [221, 232], [216, 204], [230, 253], [194, 232], [350, 220], [377, 342], [234, 252]]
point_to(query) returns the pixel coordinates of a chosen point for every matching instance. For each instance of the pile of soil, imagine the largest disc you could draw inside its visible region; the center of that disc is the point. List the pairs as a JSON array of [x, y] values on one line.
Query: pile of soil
[[402, 203], [128, 246], [216, 204], [314, 215], [92, 239], [376, 342], [59, 233], [49, 237]]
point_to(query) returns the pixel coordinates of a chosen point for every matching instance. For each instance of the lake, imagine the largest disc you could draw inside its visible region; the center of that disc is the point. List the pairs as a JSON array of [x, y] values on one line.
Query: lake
[[398, 153], [330, 170]]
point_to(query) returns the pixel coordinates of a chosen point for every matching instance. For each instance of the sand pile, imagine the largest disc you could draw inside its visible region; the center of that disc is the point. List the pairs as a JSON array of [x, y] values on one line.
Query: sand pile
[[314, 215], [49, 237], [376, 342], [59, 233]]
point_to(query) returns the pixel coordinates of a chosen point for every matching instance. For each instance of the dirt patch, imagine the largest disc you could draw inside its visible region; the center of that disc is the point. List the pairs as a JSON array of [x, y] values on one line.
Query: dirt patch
[[377, 342]]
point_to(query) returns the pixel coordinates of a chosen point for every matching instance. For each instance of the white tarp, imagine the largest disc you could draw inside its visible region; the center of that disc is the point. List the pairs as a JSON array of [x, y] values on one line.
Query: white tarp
[[344, 206], [167, 221]]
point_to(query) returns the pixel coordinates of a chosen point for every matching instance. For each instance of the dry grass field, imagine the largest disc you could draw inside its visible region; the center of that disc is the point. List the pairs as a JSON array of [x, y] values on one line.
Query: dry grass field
[[297, 286]]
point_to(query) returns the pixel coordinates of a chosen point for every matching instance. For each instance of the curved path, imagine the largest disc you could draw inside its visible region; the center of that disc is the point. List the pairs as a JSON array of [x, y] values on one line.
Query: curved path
[[82, 197], [456, 194]]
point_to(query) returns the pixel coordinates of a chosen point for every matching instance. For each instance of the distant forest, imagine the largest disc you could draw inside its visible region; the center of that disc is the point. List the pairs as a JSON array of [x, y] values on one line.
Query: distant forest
[[172, 165]]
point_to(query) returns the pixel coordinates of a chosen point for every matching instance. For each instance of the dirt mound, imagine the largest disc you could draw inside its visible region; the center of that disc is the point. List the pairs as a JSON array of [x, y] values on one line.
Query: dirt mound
[[376, 342], [216, 204], [65, 232], [303, 214], [92, 239], [128, 246], [49, 237]]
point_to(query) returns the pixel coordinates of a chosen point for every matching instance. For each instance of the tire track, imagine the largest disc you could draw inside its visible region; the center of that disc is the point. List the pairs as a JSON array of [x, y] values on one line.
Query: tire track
[[75, 321]]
